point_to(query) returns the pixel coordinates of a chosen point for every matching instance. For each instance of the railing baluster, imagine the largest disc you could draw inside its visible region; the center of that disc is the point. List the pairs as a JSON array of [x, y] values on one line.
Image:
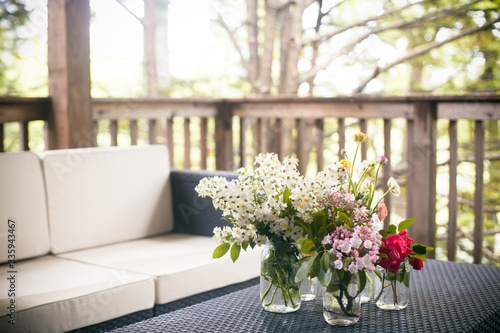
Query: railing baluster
[[286, 137], [452, 198], [320, 144], [46, 135], [387, 171], [341, 133], [113, 132], [170, 140], [133, 131], [203, 143], [299, 142], [242, 141], [187, 144], [152, 133], [277, 137], [224, 137], [364, 148], [2, 133], [478, 194], [258, 136], [23, 136]]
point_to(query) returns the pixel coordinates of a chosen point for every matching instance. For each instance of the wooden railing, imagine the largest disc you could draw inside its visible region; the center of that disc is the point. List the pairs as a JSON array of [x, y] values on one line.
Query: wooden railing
[[226, 134]]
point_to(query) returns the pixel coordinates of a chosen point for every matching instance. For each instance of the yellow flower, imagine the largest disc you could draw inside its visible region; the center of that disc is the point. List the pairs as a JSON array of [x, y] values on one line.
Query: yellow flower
[[346, 164], [360, 137]]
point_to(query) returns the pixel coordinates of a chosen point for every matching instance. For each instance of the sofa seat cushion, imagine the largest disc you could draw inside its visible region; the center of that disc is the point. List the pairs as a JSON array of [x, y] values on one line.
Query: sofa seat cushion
[[182, 264], [99, 196], [24, 230], [57, 295]]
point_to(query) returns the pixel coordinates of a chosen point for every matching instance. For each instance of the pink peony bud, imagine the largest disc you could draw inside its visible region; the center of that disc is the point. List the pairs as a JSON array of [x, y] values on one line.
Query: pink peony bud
[[382, 160], [382, 211]]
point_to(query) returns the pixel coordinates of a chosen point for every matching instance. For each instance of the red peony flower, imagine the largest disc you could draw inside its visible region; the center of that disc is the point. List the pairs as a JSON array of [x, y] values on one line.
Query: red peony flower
[[416, 263], [396, 248]]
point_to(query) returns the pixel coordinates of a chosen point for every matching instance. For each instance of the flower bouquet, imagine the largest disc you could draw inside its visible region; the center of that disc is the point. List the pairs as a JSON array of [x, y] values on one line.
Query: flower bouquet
[[258, 204], [340, 232], [397, 255]]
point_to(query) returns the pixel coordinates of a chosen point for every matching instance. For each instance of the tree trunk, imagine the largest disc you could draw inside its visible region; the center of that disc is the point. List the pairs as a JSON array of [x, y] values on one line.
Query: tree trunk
[[253, 44], [149, 60]]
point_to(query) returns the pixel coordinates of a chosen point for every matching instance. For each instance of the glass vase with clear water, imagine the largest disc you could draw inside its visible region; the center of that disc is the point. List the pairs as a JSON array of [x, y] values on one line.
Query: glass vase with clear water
[[279, 264]]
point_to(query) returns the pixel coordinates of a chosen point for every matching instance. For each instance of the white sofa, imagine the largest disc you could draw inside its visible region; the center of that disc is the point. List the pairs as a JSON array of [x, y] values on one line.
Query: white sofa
[[94, 237]]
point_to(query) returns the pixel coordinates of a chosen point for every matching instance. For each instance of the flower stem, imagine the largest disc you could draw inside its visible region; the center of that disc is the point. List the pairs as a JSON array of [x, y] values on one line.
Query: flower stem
[[346, 310], [381, 289]]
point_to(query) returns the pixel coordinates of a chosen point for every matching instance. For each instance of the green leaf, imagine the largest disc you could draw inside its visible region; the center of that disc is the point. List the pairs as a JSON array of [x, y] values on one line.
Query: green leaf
[[325, 261], [324, 277], [341, 216], [378, 274], [383, 233], [322, 232], [420, 249], [346, 226], [235, 251], [338, 274], [347, 278], [333, 288], [286, 194], [304, 268], [221, 250], [405, 224], [391, 229], [419, 256], [361, 280], [244, 245], [406, 279], [383, 255], [228, 218], [308, 246]]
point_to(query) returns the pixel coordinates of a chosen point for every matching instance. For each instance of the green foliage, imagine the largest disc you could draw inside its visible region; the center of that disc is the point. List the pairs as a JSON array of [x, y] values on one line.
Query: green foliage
[[220, 250], [13, 14], [235, 251]]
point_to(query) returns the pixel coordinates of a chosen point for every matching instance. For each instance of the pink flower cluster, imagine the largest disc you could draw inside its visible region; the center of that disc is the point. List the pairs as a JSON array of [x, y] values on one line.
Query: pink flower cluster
[[335, 201], [355, 250]]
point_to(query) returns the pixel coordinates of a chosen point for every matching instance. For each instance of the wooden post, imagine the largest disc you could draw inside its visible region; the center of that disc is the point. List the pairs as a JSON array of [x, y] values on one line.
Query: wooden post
[[2, 147], [69, 74], [452, 198], [479, 191], [224, 158], [421, 189]]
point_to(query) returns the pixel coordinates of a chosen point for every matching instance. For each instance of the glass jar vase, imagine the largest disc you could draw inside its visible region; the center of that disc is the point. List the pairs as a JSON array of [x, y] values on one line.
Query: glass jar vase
[[391, 292], [366, 294], [341, 303], [279, 264], [310, 289]]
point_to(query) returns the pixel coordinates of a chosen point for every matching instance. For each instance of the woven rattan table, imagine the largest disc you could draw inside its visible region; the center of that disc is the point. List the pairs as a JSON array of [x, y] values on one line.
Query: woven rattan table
[[444, 297]]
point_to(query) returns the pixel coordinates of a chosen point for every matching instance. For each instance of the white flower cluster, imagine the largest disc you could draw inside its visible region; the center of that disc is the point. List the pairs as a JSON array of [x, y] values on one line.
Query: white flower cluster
[[305, 195], [265, 199]]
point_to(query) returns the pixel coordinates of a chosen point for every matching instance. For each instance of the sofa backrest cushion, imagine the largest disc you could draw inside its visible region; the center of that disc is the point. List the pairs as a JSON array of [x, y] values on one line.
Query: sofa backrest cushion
[[192, 213], [99, 196], [24, 231]]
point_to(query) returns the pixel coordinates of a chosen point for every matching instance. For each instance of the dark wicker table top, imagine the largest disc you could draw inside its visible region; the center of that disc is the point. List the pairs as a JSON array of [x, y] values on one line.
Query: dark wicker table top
[[444, 297]]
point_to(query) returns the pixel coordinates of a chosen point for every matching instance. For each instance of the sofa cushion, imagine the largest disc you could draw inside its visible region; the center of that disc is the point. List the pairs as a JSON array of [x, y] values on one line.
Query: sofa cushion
[[98, 196], [22, 201], [192, 213], [182, 264], [57, 295]]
